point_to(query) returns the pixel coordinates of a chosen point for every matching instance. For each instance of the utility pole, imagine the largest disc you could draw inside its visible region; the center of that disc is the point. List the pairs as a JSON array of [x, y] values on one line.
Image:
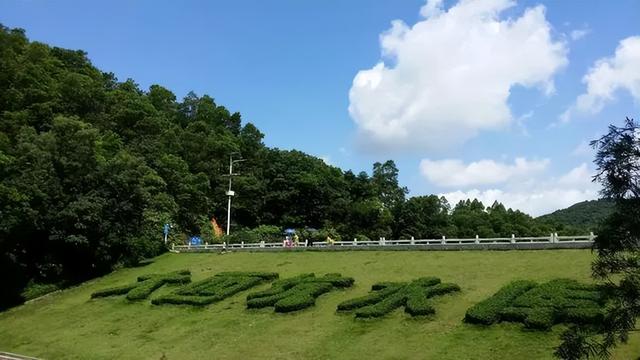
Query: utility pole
[[230, 193]]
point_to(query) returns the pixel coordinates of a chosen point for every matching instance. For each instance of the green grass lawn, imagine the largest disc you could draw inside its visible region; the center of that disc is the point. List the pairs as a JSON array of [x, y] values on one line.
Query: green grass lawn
[[69, 325]]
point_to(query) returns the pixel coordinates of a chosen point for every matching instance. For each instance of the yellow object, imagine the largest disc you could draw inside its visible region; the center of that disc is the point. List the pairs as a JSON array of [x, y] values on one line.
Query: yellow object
[[217, 230]]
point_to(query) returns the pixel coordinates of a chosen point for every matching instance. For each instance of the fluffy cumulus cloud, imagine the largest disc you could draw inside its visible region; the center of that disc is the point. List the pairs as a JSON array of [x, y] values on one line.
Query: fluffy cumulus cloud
[[538, 195], [607, 77], [454, 173], [449, 76]]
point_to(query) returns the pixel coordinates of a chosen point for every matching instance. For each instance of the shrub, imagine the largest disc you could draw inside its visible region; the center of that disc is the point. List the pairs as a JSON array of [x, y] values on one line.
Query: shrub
[[279, 286], [584, 315], [383, 307], [418, 305], [302, 296], [559, 293], [540, 318], [34, 290], [387, 296], [441, 289], [267, 233], [417, 298], [362, 237], [296, 293], [146, 285], [541, 306], [487, 312], [514, 314], [215, 288], [377, 295], [175, 276]]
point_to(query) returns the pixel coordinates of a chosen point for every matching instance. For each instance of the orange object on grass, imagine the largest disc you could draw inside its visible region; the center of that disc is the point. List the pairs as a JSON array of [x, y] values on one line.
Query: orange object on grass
[[217, 230]]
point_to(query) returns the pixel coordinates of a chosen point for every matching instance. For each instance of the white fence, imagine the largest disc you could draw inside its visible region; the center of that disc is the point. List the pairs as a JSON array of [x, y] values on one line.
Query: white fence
[[513, 242]]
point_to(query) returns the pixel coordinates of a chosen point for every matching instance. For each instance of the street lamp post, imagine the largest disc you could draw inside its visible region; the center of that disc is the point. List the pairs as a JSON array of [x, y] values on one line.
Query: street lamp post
[[230, 193]]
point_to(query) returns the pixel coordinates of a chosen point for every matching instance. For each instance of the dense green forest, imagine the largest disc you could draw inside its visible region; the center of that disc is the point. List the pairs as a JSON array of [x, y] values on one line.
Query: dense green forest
[[92, 167]]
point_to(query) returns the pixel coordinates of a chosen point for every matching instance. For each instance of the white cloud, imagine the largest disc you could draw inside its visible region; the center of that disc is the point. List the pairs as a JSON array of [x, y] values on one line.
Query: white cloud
[[608, 76], [579, 34], [454, 173], [578, 176], [449, 76], [536, 197]]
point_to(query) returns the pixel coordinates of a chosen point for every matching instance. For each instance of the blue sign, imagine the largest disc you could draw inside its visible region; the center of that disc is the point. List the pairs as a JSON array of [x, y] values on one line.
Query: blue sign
[[289, 231], [195, 240]]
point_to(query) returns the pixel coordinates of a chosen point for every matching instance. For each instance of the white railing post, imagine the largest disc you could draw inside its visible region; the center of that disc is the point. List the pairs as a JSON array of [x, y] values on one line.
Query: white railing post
[[551, 238], [555, 238], [173, 246], [306, 242], [384, 241], [262, 243], [242, 244], [444, 239], [224, 244], [513, 238], [591, 236], [477, 239], [412, 241]]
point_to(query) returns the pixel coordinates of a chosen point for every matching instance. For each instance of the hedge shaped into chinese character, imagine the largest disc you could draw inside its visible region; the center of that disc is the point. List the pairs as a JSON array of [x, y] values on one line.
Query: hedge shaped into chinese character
[[297, 293], [386, 297], [215, 288], [541, 306], [146, 285]]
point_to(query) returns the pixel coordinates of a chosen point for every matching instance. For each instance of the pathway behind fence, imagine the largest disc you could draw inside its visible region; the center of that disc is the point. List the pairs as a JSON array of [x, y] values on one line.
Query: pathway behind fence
[[553, 241]]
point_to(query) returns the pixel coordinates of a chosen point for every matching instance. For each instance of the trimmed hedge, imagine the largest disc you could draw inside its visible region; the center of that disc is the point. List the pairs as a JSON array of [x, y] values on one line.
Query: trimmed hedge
[[388, 296], [558, 294], [296, 293], [215, 288], [385, 306], [379, 293], [541, 306], [146, 285], [540, 318], [304, 297], [514, 314], [174, 275], [487, 312]]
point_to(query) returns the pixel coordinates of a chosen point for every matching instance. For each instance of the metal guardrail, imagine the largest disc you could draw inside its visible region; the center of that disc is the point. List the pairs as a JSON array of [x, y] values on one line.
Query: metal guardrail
[[513, 242]]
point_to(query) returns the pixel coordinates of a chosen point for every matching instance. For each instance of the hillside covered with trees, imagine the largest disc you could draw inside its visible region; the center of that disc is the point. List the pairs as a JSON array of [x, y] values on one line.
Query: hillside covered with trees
[[91, 168], [586, 214]]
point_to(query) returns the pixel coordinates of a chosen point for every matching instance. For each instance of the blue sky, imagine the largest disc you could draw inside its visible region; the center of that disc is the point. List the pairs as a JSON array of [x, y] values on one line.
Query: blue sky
[[468, 98]]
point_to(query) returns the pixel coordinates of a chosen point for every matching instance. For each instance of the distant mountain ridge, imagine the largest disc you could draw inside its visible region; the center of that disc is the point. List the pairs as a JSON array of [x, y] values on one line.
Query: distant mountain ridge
[[585, 214]]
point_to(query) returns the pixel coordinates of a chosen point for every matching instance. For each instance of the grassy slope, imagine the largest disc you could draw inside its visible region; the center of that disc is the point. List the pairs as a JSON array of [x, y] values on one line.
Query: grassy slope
[[71, 326]]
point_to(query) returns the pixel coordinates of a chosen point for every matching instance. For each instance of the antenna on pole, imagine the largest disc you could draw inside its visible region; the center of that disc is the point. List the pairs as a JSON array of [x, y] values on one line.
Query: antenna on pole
[[230, 193]]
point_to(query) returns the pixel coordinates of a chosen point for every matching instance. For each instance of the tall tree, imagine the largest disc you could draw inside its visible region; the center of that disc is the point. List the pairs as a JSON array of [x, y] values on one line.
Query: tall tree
[[385, 182], [617, 265]]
